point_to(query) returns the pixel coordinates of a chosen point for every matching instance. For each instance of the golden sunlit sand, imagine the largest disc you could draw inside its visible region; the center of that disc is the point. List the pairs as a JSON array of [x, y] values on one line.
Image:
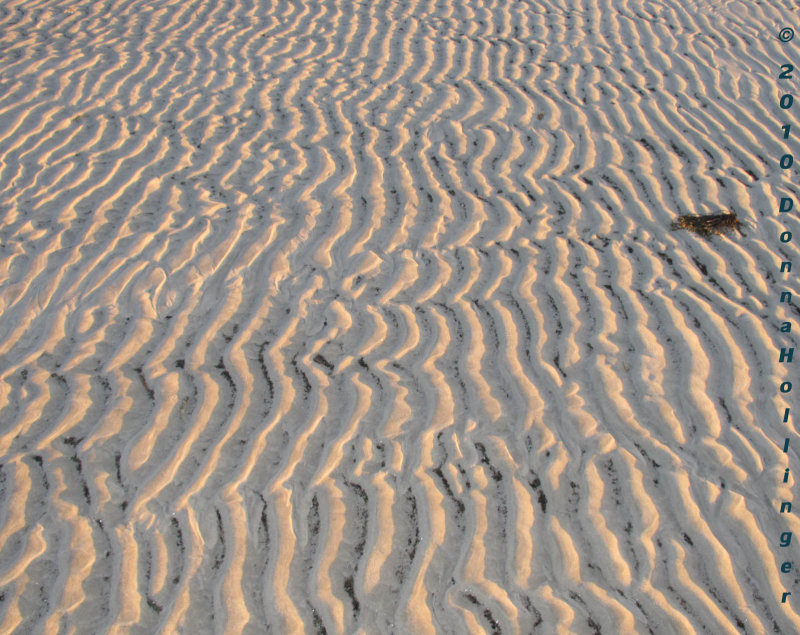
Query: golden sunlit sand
[[369, 317]]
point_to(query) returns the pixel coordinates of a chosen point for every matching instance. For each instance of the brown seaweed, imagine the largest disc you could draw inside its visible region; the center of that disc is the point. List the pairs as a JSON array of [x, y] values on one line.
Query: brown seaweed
[[710, 224]]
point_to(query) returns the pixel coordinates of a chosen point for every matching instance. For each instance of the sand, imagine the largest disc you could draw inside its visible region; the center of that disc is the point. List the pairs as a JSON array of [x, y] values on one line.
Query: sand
[[368, 317]]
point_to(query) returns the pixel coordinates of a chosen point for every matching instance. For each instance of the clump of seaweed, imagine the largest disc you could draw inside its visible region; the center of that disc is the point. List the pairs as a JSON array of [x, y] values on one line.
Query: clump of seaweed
[[710, 224]]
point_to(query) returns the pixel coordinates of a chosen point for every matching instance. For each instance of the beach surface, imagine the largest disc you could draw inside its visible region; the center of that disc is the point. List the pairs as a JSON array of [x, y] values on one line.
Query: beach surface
[[368, 317]]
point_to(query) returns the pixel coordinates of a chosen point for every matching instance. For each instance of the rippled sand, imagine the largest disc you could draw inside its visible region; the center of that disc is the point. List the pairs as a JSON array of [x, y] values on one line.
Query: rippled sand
[[367, 317]]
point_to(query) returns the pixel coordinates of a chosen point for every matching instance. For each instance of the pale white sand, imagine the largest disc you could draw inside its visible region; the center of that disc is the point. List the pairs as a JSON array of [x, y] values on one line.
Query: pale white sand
[[367, 317]]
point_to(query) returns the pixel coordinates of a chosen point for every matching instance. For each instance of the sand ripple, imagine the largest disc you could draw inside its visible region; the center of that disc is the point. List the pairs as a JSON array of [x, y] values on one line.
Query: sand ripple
[[366, 317]]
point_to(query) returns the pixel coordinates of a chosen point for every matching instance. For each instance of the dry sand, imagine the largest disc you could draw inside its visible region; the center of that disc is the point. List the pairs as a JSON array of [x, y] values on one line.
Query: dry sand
[[367, 317]]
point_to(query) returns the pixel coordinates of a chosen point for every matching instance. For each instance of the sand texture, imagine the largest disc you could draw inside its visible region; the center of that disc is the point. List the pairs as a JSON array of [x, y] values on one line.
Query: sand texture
[[367, 317]]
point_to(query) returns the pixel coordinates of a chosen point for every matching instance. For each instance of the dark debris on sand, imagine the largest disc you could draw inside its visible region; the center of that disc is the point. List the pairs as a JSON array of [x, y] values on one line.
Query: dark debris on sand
[[710, 224]]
